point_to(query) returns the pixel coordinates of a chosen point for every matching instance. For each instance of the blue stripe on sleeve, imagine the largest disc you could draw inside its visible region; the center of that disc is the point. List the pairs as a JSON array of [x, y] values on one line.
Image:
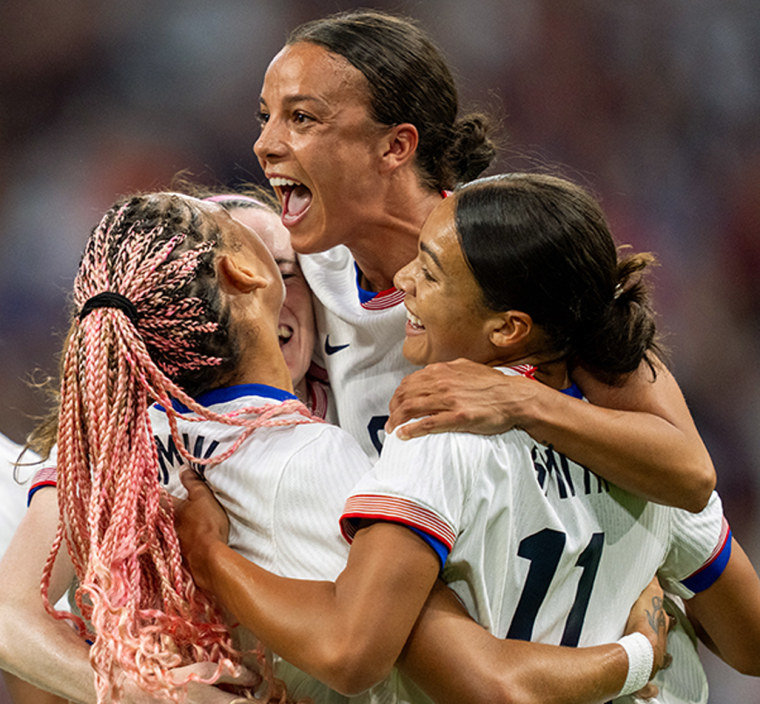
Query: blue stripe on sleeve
[[706, 576], [438, 547]]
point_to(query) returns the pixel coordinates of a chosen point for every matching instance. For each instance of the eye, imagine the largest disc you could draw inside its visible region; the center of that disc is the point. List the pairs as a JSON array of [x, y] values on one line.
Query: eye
[[262, 117], [301, 117], [426, 273]]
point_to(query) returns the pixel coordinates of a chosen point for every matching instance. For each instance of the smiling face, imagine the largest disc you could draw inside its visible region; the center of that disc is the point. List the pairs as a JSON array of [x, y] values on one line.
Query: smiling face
[[318, 145], [446, 316], [296, 322]]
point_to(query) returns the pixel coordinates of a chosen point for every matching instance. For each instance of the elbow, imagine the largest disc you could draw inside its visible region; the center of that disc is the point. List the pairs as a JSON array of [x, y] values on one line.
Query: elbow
[[700, 488], [353, 670]]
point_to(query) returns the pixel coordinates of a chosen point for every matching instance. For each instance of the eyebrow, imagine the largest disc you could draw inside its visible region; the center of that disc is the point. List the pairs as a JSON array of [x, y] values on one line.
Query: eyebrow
[[431, 254], [298, 98]]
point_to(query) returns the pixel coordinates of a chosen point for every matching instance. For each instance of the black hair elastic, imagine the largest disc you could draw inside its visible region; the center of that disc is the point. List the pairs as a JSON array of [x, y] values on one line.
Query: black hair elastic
[[109, 299]]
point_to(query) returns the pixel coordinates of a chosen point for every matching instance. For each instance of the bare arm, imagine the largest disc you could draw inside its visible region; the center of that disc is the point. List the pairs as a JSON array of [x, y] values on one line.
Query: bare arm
[[346, 633], [350, 633], [37, 648], [639, 435], [727, 614], [454, 659]]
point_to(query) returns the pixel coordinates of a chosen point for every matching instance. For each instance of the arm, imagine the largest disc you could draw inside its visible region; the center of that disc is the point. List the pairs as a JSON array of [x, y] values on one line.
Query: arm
[[453, 659], [634, 435], [727, 614], [34, 647], [347, 633], [350, 633]]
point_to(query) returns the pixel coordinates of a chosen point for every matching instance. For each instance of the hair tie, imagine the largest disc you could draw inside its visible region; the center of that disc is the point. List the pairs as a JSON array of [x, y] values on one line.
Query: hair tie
[[110, 299]]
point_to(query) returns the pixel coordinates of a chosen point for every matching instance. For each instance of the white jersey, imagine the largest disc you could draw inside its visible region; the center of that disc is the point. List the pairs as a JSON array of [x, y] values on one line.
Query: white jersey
[[283, 491], [359, 343], [13, 488], [536, 546]]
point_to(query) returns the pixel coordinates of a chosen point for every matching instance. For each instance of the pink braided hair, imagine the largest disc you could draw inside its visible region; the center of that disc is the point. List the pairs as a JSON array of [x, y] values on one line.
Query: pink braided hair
[[145, 614]]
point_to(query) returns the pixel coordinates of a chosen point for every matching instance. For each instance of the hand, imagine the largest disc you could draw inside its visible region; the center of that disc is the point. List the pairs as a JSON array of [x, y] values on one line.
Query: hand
[[648, 616], [200, 522], [228, 693], [460, 396]]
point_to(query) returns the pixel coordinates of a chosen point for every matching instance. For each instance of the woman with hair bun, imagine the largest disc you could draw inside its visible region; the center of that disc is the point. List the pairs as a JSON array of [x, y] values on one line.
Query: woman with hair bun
[[361, 139], [536, 546]]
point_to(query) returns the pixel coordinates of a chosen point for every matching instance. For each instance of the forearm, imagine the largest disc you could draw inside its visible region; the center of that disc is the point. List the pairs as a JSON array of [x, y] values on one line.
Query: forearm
[[45, 653], [453, 659], [640, 452], [638, 435], [349, 633]]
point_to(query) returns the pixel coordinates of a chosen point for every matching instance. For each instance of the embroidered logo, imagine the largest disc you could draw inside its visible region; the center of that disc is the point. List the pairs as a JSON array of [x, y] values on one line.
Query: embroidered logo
[[332, 349]]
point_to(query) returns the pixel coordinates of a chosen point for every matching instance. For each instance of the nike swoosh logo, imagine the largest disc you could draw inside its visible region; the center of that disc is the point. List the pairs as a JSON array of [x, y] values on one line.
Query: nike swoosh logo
[[330, 349]]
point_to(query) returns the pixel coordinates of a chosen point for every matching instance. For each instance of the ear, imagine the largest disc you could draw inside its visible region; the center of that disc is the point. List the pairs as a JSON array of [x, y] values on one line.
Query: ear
[[236, 277], [510, 328], [400, 145]]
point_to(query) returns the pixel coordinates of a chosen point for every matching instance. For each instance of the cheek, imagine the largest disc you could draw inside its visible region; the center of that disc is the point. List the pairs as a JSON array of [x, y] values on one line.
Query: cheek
[[298, 301]]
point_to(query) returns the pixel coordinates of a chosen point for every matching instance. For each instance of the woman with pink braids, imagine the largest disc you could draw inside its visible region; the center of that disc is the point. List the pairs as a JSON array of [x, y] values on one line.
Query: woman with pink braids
[[174, 297]]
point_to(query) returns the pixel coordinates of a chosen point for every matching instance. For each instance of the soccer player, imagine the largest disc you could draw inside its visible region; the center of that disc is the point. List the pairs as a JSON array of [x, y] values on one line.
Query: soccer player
[[517, 272], [361, 139]]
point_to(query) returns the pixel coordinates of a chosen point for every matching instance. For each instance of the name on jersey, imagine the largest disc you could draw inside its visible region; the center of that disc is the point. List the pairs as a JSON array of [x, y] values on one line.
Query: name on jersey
[[169, 456], [553, 469]]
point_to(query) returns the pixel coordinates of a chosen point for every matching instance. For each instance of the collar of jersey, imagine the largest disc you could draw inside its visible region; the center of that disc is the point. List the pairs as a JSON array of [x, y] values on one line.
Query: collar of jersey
[[230, 393], [529, 370], [367, 296]]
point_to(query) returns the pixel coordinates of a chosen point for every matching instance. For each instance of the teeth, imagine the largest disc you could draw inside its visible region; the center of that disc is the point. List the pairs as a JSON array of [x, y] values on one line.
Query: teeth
[[284, 332], [280, 181], [414, 320]]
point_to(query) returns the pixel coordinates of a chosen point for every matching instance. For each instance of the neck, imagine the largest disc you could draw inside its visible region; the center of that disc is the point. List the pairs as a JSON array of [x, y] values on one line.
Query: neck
[[389, 241], [262, 363]]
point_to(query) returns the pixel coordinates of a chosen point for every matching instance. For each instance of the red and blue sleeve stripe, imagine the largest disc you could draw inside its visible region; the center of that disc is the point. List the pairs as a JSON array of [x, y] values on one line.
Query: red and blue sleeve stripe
[[706, 575], [47, 476], [420, 520]]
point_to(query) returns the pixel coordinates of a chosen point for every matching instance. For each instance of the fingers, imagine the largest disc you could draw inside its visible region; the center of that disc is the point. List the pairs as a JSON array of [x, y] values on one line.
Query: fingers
[[439, 423], [192, 481]]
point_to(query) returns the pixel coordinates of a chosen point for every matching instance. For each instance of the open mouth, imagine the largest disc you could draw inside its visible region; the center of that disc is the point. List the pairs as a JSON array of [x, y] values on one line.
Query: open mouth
[[413, 321], [295, 198]]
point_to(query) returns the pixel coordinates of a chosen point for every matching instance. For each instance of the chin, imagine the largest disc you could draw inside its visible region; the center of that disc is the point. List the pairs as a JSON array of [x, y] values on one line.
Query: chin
[[414, 356]]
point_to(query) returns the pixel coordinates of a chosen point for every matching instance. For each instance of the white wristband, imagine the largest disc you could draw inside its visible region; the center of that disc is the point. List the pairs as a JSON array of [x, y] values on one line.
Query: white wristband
[[640, 661]]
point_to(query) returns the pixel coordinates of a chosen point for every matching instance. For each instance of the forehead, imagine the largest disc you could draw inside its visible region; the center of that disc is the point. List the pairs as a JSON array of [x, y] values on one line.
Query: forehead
[[308, 70], [268, 227], [440, 225]]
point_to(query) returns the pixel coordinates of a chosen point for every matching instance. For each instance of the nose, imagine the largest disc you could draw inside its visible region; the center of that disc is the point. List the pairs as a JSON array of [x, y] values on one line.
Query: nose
[[269, 144], [404, 278]]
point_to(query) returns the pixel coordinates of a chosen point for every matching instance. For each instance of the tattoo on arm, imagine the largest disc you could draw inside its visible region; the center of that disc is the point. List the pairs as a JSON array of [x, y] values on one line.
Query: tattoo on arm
[[656, 616]]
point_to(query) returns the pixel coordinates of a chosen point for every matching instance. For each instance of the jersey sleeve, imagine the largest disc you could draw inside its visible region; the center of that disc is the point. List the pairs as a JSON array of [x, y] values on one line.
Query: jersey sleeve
[[47, 476], [308, 503], [699, 549], [421, 483]]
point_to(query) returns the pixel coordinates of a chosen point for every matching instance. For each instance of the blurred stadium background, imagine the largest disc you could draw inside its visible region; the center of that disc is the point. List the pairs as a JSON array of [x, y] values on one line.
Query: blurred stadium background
[[654, 104]]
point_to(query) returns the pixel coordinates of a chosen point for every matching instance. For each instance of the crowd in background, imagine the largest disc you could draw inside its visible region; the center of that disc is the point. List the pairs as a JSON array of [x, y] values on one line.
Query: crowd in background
[[654, 105]]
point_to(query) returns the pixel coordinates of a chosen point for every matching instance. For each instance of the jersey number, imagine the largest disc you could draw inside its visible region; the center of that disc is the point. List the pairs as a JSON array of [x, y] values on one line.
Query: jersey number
[[375, 427], [544, 550]]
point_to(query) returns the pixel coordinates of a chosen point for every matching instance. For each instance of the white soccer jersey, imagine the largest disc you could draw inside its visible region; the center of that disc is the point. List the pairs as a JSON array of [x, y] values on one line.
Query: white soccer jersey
[[12, 492], [539, 548], [283, 491], [358, 343]]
